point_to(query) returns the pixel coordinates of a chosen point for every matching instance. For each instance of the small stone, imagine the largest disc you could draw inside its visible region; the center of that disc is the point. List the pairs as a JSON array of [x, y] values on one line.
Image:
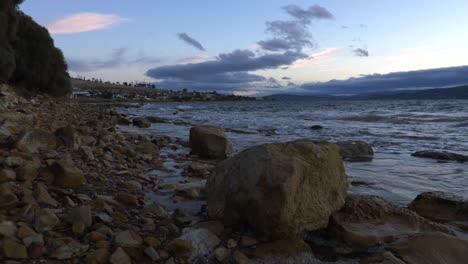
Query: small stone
[[45, 220], [7, 175], [154, 210], [152, 253], [103, 244], [67, 175], [96, 236], [100, 256], [247, 241], [7, 229], [78, 228], [128, 238], [231, 243], [239, 258], [42, 195], [25, 231], [221, 253], [81, 214], [128, 200], [69, 249], [132, 185], [179, 247], [14, 250], [37, 239], [120, 257], [33, 140], [141, 123]]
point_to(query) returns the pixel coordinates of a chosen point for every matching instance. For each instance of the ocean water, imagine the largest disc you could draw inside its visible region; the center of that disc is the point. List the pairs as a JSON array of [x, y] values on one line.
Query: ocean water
[[395, 129]]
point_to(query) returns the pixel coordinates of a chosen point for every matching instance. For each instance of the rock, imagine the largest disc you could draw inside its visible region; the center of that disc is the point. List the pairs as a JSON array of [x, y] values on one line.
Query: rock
[[147, 148], [131, 185], [239, 258], [45, 220], [8, 229], [14, 162], [231, 243], [154, 210], [202, 240], [210, 142], [152, 253], [280, 248], [14, 250], [7, 175], [355, 150], [316, 127], [7, 197], [215, 227], [432, 248], [191, 193], [128, 238], [128, 200], [120, 257], [247, 241], [8, 97], [87, 153], [141, 123], [381, 258], [25, 231], [68, 137], [82, 215], [66, 174], [221, 254], [179, 247], [367, 221], [279, 189], [199, 170], [100, 256], [28, 171], [32, 140], [440, 155], [122, 120], [442, 207], [42, 195], [69, 249]]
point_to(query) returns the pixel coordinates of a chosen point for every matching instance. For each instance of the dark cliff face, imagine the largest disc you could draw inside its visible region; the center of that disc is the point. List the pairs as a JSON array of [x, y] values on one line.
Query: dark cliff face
[[28, 57]]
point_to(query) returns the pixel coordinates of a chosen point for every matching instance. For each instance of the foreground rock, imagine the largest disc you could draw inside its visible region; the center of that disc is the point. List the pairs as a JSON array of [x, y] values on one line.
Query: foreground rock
[[356, 150], [279, 190], [440, 155], [210, 142], [367, 221], [33, 140]]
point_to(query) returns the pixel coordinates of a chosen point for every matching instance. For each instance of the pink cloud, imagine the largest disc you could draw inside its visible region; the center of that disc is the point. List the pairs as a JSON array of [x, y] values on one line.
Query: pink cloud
[[314, 58], [84, 22], [195, 59]]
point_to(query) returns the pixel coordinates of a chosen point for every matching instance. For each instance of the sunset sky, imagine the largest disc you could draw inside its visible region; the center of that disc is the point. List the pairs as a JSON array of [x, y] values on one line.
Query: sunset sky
[[260, 46]]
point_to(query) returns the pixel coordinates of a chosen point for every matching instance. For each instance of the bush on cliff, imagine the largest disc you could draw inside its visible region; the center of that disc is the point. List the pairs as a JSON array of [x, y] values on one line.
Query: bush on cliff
[[28, 57]]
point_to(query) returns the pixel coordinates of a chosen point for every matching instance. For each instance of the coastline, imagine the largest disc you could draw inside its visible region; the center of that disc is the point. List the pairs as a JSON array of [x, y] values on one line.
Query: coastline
[[78, 187]]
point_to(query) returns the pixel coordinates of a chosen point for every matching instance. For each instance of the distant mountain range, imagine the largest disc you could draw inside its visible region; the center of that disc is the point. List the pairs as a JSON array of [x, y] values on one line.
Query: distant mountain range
[[459, 92]]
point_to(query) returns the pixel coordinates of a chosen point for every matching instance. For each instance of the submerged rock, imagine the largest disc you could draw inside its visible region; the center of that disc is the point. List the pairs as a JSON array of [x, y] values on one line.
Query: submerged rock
[[440, 155], [356, 150], [141, 122], [367, 221], [279, 189], [210, 142]]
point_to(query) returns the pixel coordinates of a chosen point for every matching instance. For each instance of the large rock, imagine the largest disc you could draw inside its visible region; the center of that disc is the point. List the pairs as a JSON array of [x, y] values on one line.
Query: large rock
[[32, 140], [432, 248], [279, 189], [66, 174], [210, 142], [356, 150], [440, 155], [367, 221]]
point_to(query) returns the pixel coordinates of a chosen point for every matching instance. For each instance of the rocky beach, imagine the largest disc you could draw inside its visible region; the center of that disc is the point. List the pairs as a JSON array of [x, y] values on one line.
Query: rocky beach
[[78, 187]]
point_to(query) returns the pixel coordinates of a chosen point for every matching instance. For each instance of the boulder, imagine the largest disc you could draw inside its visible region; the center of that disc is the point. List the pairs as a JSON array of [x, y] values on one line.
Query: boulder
[[32, 140], [210, 142], [442, 207], [356, 150], [279, 190], [68, 137], [66, 174], [440, 155], [141, 122], [432, 248], [367, 221]]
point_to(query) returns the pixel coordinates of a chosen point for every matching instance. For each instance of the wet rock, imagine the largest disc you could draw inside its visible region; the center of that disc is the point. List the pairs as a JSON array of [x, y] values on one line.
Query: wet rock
[[128, 238], [122, 120], [100, 256], [32, 140], [13, 249], [179, 247], [210, 142], [440, 155], [68, 137], [432, 248], [87, 153], [199, 170], [355, 150], [202, 240], [261, 186], [215, 227], [147, 148], [280, 248], [7, 197], [381, 258], [141, 123], [120, 257], [192, 193], [67, 175], [154, 210], [316, 127], [367, 221], [128, 200], [45, 220]]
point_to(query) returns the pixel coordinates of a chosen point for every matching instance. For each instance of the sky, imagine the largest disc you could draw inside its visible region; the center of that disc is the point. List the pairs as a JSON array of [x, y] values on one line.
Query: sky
[[259, 47]]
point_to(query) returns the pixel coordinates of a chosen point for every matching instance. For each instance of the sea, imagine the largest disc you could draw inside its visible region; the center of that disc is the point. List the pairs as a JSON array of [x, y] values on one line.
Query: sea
[[395, 129]]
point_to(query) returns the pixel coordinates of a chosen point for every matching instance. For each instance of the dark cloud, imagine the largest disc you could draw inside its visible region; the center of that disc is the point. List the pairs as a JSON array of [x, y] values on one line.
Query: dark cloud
[[118, 58], [191, 41], [361, 52], [432, 78], [286, 78], [293, 34], [227, 72]]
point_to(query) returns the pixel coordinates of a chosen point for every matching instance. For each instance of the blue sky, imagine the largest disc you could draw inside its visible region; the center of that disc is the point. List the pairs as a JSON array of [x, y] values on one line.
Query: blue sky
[[128, 39]]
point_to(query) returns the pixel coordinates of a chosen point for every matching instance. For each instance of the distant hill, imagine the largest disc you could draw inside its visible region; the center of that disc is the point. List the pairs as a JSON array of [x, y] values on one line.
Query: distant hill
[[459, 92]]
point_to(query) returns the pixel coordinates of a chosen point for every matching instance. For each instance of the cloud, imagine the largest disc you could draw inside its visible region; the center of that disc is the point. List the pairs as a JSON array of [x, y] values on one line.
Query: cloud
[[431, 78], [118, 58], [84, 22], [293, 34], [226, 72], [195, 59], [361, 52], [191, 41], [286, 78]]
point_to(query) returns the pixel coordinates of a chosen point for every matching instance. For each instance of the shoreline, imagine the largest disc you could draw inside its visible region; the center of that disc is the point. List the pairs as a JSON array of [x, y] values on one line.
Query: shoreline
[[76, 187]]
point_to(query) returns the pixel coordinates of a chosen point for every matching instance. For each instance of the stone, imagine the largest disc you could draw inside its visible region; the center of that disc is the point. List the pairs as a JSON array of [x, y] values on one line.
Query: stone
[[42, 195], [128, 238], [201, 241], [25, 231], [7, 197], [14, 162], [141, 122], [81, 214], [32, 140], [154, 210], [70, 248], [67, 175], [279, 190], [147, 148], [179, 247], [129, 200], [13, 249], [432, 248], [215, 227], [152, 253], [381, 258], [239, 258], [100, 256], [248, 241], [28, 171], [7, 175], [121, 120], [367, 221], [355, 150], [441, 207], [120, 257], [440, 155], [131, 185], [68, 137], [280, 248], [8, 229], [316, 127], [45, 220], [231, 243], [221, 254], [210, 142], [87, 153]]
